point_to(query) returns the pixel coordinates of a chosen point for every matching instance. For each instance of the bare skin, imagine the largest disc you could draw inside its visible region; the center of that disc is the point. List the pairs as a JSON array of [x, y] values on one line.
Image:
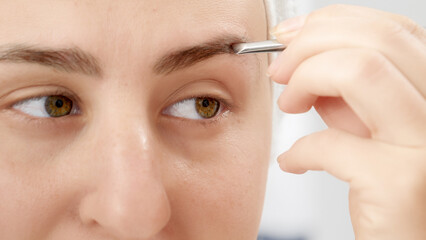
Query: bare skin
[[133, 159], [123, 164], [364, 72]]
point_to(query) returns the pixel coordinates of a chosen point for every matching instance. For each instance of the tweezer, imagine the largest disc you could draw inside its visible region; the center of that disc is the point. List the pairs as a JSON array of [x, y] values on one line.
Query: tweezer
[[258, 47]]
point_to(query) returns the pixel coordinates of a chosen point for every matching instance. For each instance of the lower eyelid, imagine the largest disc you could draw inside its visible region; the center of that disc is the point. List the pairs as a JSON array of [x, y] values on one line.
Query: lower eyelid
[[221, 116]]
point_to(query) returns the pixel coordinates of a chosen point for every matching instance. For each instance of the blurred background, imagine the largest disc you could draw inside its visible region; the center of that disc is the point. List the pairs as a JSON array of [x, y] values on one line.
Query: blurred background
[[314, 206]]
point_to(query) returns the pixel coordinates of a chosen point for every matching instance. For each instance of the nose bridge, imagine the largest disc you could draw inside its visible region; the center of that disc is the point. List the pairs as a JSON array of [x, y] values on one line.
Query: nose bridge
[[126, 136], [128, 151], [125, 143], [129, 200]]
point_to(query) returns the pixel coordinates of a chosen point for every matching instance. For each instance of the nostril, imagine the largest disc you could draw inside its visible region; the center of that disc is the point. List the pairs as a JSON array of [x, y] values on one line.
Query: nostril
[[91, 223]]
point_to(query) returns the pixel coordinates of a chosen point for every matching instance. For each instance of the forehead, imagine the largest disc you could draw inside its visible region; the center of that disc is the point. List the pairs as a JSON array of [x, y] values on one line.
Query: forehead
[[105, 23]]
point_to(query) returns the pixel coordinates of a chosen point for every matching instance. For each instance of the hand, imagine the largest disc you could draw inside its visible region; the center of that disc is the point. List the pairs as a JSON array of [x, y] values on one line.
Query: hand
[[364, 71]]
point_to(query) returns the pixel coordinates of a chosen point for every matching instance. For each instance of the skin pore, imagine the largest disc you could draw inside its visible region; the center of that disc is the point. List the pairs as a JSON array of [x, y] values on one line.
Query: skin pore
[[124, 163]]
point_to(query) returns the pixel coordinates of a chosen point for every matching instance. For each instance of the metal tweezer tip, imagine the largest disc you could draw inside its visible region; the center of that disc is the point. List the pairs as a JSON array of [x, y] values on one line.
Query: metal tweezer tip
[[258, 47]]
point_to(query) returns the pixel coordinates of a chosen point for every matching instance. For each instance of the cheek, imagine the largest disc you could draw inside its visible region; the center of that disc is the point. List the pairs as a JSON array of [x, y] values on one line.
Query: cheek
[[218, 183], [222, 192], [32, 190], [26, 195]]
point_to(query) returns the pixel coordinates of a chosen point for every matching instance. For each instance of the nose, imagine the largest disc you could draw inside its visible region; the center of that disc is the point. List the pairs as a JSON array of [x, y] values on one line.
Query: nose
[[128, 199]]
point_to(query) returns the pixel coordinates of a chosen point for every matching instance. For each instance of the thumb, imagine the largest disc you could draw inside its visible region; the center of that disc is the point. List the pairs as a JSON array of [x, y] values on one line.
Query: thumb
[[285, 32], [288, 29], [339, 153]]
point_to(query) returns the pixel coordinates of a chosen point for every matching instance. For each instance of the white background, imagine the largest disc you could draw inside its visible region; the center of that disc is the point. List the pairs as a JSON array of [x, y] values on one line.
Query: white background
[[315, 205]]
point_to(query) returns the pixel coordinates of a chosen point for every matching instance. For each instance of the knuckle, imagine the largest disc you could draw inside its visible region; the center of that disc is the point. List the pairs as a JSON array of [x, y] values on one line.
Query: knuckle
[[372, 62], [368, 67], [399, 27], [406, 24]]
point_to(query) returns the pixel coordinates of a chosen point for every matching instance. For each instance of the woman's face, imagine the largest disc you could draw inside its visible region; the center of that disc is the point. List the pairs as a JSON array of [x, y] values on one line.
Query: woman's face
[[132, 119]]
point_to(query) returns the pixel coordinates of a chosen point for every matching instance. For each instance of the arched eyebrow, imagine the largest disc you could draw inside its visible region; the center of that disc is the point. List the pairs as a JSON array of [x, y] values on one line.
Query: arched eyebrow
[[72, 60], [186, 57], [75, 60]]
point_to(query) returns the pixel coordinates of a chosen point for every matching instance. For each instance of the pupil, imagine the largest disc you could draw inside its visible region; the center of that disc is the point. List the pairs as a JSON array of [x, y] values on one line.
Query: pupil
[[59, 103], [206, 103]]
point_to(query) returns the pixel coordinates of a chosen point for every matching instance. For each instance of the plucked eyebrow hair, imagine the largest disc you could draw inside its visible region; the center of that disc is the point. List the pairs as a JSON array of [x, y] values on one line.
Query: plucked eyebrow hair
[[72, 60], [186, 57]]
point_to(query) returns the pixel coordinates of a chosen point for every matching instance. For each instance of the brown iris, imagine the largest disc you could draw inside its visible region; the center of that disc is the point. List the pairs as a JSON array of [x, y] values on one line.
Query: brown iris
[[58, 106], [207, 107]]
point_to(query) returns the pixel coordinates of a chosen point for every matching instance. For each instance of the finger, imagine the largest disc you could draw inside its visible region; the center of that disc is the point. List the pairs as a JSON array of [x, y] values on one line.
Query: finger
[[337, 114], [399, 39], [373, 88], [341, 154]]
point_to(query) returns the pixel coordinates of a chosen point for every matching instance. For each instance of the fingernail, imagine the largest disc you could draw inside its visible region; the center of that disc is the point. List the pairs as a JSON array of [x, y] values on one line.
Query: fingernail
[[289, 25]]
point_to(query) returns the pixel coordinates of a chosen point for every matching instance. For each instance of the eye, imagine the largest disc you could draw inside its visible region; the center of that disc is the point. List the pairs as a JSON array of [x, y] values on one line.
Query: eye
[[194, 108], [47, 106]]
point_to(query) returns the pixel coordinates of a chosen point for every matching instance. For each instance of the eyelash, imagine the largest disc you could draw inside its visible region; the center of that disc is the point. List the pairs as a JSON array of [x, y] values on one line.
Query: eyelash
[[51, 93], [225, 106], [60, 92]]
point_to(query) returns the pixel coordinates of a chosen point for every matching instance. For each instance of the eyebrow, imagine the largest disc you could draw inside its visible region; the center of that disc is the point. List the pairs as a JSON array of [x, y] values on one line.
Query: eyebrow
[[183, 58], [73, 60]]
